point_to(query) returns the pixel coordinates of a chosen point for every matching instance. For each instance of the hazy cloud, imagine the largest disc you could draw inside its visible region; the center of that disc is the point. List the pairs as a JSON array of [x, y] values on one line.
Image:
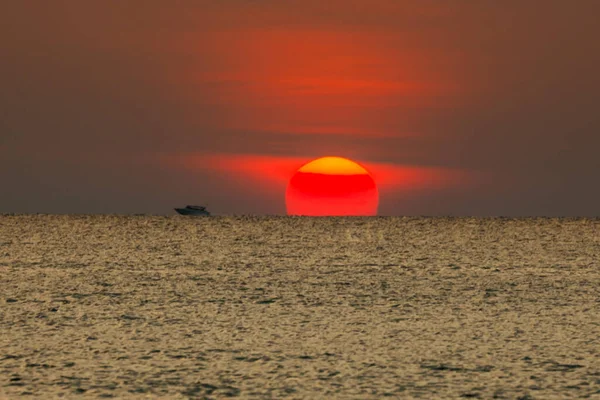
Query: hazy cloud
[[96, 94]]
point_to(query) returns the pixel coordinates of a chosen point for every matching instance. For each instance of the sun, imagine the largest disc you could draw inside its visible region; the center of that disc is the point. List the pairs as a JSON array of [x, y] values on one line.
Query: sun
[[332, 186]]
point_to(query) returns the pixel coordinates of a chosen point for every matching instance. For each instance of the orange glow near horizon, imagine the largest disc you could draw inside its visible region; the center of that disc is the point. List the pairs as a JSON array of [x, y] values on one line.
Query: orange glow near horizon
[[271, 174], [332, 186], [277, 170]]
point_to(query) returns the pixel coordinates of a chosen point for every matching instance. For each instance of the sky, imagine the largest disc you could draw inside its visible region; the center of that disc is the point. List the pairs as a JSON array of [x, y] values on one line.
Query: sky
[[456, 107]]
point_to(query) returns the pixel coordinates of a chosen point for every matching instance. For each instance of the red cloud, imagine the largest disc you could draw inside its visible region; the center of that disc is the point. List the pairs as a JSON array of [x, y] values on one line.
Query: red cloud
[[278, 170]]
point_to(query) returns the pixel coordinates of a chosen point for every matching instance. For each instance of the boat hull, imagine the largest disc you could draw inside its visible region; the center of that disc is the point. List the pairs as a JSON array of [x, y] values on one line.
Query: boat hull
[[192, 212]]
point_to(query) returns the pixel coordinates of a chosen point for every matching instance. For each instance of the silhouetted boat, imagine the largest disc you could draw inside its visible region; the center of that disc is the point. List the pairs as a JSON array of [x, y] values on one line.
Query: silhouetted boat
[[193, 210]]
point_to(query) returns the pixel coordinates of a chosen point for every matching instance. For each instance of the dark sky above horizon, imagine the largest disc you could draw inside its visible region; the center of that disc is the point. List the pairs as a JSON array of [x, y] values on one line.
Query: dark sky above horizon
[[456, 107]]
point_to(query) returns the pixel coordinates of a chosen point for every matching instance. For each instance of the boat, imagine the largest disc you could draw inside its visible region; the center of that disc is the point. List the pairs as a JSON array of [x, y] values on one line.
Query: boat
[[193, 211]]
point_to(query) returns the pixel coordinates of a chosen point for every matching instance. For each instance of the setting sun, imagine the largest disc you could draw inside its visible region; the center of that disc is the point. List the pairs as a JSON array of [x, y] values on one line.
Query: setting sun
[[332, 186]]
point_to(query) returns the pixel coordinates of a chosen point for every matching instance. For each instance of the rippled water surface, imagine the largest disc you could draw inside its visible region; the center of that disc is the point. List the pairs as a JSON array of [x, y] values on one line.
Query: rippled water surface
[[282, 307]]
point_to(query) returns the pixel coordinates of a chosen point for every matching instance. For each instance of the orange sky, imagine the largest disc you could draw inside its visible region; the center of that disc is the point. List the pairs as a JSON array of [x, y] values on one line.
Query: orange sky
[[486, 107]]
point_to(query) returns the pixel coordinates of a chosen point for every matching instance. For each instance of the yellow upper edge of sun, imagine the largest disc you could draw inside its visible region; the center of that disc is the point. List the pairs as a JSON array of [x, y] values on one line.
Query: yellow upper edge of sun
[[333, 166]]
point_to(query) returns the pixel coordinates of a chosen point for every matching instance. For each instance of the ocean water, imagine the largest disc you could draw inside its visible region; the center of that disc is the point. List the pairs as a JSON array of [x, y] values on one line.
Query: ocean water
[[291, 307]]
